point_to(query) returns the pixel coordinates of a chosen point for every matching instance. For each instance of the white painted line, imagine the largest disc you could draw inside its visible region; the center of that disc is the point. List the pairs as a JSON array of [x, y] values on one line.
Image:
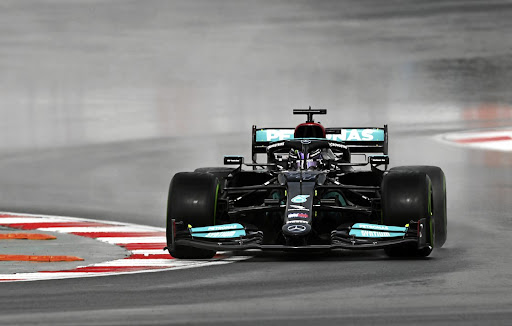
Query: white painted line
[[25, 220], [79, 219], [150, 262], [120, 240], [495, 140], [149, 252], [502, 146], [93, 229], [41, 276]]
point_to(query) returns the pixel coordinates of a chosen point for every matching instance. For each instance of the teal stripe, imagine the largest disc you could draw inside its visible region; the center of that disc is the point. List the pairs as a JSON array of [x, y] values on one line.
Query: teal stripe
[[220, 234], [375, 234], [217, 228], [377, 227], [346, 135]]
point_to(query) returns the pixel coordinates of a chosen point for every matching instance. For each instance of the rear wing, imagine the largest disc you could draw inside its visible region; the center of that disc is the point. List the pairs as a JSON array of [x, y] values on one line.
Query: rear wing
[[358, 140]]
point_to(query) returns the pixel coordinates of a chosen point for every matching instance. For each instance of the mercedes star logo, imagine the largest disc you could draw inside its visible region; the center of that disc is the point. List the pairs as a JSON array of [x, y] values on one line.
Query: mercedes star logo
[[296, 228]]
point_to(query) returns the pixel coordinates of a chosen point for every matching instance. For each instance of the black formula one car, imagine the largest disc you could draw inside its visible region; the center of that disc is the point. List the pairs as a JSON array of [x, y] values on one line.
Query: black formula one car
[[310, 194]]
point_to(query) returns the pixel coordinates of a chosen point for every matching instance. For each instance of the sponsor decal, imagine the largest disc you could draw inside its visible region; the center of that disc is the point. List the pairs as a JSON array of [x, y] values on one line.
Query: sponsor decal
[[270, 135], [233, 160], [225, 234], [378, 227], [373, 227], [296, 228], [305, 141], [298, 215], [336, 145], [223, 227], [378, 159], [297, 221], [358, 135], [299, 199], [375, 234], [220, 235], [297, 208], [275, 145]]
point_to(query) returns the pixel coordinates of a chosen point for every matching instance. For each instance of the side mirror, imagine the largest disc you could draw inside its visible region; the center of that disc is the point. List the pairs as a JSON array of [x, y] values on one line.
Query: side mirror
[[233, 160]]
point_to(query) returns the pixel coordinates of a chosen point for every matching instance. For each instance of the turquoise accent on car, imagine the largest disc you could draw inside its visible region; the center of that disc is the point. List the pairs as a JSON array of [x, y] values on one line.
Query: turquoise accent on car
[[345, 135], [216, 228], [375, 234], [266, 135], [348, 135], [220, 234], [378, 227], [299, 199]]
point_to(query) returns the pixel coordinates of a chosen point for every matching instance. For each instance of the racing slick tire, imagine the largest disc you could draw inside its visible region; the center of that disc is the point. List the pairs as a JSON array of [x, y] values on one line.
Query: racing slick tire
[[406, 196], [192, 200], [439, 211]]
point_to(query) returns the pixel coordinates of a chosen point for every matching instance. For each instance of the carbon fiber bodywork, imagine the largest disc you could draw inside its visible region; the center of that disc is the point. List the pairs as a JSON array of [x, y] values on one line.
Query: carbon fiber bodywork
[[307, 195]]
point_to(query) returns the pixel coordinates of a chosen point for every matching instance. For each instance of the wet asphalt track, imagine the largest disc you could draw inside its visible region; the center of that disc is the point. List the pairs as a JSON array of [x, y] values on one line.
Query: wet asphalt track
[[103, 102]]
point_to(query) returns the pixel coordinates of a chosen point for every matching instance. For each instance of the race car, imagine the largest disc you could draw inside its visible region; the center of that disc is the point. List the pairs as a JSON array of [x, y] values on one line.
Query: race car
[[319, 189]]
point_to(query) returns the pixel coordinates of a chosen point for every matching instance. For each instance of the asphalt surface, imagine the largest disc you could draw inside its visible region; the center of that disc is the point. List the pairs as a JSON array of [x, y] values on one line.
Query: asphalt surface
[[103, 101]]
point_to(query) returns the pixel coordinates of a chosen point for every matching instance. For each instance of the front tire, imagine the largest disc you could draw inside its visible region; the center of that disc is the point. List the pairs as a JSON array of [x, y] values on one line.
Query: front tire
[[193, 201], [406, 196], [439, 212]]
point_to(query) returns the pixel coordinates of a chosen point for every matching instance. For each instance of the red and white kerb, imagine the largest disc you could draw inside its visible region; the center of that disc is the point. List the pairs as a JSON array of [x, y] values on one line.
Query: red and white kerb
[[498, 140], [144, 245]]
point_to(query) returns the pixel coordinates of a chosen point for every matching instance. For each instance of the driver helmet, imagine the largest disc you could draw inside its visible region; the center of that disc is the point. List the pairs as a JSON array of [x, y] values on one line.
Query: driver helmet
[[309, 130]]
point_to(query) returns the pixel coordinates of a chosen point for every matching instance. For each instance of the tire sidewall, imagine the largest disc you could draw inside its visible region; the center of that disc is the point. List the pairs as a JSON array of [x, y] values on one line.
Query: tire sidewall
[[406, 197], [192, 200], [439, 202]]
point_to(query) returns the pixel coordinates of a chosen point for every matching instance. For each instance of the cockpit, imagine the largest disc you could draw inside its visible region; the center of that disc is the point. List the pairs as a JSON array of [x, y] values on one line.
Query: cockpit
[[309, 149], [306, 154], [317, 159]]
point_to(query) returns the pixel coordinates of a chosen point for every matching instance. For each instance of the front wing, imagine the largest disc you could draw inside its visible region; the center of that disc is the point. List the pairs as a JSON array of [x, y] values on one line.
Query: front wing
[[360, 236]]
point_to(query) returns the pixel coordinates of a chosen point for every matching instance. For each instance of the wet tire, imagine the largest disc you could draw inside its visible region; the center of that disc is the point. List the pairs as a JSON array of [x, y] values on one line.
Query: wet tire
[[193, 201], [439, 211], [406, 196]]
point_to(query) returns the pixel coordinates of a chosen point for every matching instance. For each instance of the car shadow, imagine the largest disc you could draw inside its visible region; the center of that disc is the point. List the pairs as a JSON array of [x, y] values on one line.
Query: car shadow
[[308, 255]]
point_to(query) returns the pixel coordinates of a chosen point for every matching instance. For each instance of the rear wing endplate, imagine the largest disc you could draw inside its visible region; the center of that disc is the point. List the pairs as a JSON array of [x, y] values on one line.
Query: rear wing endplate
[[358, 140]]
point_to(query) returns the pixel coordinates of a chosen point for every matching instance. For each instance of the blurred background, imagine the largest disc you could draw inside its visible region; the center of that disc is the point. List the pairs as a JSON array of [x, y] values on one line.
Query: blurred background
[[103, 101]]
